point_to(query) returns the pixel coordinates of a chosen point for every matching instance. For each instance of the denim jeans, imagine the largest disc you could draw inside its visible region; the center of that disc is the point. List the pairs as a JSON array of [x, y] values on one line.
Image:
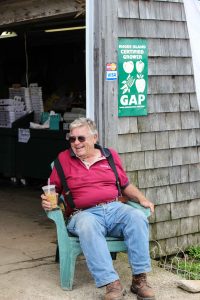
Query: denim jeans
[[114, 219]]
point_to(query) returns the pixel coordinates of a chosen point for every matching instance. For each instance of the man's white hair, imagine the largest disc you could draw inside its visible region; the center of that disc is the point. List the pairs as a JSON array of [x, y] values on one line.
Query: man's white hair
[[84, 122]]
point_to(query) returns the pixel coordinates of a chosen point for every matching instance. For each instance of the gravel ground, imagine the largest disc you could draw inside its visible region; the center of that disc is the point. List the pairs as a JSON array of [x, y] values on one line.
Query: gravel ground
[[27, 249], [40, 280]]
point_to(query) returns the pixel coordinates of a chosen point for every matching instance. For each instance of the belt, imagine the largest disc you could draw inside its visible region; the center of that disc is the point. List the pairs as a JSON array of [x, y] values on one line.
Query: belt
[[77, 210], [107, 202]]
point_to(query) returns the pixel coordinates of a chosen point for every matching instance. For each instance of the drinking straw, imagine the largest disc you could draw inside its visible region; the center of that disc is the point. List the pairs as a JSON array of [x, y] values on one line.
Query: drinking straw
[[48, 185]]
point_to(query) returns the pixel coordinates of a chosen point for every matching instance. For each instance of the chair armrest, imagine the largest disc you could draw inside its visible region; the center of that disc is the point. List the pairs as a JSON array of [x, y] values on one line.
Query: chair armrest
[[145, 210], [57, 216]]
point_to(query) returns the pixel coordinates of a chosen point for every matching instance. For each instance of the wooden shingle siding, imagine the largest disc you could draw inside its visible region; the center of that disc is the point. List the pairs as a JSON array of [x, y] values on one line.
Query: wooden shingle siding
[[170, 228], [161, 122], [152, 29], [127, 125], [169, 103], [159, 177], [183, 138], [178, 209], [162, 140], [173, 194], [160, 158], [179, 1], [171, 84], [159, 140], [161, 151], [152, 178], [162, 213], [148, 141], [194, 172], [184, 156], [168, 66], [174, 228], [179, 243], [190, 120], [162, 195], [177, 192], [193, 102], [168, 47], [151, 10]]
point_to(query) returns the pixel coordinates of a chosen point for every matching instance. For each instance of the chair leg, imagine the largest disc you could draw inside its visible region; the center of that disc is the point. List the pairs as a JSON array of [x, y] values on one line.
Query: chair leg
[[57, 254], [113, 255], [67, 270]]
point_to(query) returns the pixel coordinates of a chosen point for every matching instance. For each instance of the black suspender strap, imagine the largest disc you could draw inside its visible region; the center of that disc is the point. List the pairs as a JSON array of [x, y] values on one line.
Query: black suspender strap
[[61, 174], [113, 167]]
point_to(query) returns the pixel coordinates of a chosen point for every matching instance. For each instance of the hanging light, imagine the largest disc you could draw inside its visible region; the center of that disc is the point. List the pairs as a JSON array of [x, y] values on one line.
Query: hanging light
[[7, 34]]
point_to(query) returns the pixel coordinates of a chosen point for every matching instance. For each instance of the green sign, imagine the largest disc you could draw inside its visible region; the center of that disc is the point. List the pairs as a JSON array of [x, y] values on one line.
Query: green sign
[[133, 77]]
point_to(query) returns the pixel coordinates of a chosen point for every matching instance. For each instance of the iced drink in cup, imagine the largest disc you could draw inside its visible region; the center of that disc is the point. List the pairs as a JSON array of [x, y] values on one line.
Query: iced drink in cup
[[52, 196]]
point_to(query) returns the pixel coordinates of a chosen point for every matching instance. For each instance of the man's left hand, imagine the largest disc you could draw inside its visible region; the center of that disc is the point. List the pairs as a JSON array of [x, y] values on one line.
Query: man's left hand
[[132, 192], [148, 204]]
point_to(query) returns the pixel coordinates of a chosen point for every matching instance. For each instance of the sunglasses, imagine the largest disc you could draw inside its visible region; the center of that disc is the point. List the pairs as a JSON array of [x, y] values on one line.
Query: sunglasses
[[80, 138]]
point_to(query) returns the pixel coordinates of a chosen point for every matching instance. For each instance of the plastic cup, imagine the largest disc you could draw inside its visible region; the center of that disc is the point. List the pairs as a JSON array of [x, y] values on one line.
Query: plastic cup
[[52, 196]]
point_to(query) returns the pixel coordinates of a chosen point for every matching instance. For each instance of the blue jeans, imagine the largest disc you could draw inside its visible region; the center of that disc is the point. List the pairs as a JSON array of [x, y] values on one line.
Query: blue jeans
[[114, 219]]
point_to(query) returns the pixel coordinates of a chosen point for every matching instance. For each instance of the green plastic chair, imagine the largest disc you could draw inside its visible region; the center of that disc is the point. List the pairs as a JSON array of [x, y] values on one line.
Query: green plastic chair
[[69, 246]]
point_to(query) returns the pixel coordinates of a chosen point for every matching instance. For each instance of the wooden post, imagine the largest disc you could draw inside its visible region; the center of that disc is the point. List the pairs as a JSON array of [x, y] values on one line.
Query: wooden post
[[105, 51]]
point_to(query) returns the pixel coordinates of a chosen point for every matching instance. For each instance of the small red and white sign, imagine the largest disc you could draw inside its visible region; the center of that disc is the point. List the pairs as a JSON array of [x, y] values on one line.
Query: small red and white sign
[[111, 67]]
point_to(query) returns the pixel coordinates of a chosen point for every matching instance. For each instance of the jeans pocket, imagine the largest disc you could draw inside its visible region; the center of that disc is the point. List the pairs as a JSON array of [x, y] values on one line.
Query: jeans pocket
[[71, 226]]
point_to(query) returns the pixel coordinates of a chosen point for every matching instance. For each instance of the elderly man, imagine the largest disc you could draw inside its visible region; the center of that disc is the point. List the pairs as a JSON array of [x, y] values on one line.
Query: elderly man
[[98, 213]]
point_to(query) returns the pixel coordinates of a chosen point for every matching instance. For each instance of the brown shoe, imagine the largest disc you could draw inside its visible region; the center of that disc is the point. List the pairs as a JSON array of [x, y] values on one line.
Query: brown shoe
[[114, 291], [141, 288]]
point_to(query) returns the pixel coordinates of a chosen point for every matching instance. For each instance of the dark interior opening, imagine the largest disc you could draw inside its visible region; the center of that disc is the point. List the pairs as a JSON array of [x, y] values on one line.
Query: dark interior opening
[[54, 60]]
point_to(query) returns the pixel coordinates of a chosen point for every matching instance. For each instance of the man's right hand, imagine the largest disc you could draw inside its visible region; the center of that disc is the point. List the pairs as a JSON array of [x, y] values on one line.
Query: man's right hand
[[45, 203]]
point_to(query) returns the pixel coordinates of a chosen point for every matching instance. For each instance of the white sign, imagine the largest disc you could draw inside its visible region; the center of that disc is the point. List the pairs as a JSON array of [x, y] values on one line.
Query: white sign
[[111, 75], [192, 11], [23, 135]]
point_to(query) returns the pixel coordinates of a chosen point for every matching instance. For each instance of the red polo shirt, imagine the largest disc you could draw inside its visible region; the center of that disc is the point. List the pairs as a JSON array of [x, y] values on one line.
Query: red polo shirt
[[89, 186]]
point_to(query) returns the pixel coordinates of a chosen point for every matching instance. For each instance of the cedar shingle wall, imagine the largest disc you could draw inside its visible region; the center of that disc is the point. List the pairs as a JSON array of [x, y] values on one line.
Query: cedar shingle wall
[[162, 153]]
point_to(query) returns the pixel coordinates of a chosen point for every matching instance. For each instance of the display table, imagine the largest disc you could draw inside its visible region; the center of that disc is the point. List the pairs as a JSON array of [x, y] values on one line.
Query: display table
[[33, 158], [8, 138], [7, 151], [30, 159]]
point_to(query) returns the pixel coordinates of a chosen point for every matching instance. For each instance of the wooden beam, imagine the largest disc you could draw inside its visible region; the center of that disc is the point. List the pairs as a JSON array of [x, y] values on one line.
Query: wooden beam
[[13, 12]]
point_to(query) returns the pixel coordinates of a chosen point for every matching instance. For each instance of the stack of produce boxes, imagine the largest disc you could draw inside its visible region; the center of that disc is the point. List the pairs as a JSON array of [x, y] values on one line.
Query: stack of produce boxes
[[10, 111], [32, 97], [36, 101]]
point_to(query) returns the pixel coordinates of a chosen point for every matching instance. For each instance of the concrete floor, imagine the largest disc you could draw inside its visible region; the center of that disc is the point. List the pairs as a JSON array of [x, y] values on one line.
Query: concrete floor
[[27, 249]]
